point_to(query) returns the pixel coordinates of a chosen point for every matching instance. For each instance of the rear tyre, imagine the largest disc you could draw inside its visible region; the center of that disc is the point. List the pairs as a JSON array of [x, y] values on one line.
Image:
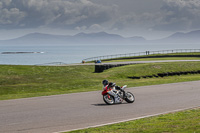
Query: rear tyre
[[129, 97], [108, 100]]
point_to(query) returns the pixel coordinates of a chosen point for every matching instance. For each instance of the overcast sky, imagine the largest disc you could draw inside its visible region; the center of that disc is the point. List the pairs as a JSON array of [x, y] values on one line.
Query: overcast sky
[[151, 19]]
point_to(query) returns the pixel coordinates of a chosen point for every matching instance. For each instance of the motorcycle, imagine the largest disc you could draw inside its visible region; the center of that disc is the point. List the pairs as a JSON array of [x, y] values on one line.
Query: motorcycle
[[117, 95]]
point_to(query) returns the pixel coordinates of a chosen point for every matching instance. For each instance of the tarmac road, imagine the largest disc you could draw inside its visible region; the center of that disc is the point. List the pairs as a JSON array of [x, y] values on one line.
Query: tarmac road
[[73, 111]]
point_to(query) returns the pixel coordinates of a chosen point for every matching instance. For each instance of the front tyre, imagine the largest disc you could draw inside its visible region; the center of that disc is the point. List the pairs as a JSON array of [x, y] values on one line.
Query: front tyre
[[129, 97], [108, 99]]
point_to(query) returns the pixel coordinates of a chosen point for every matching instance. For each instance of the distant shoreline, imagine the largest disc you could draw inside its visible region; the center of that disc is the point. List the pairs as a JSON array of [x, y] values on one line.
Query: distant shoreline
[[21, 52]]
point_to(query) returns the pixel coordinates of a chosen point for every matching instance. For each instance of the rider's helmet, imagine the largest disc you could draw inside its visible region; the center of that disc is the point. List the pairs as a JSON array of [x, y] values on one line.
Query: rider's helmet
[[111, 84], [105, 82]]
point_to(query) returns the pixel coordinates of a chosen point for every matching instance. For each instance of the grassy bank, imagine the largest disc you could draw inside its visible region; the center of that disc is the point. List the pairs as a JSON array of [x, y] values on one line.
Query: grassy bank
[[32, 81], [179, 122]]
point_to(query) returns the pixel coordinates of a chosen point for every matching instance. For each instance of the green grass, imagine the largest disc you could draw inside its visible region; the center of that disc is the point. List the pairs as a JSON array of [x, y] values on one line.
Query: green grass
[[32, 81], [29, 81], [179, 122], [153, 68]]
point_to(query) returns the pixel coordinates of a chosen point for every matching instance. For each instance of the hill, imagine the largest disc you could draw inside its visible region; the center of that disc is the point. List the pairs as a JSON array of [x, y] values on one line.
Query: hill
[[180, 37], [80, 38], [100, 38]]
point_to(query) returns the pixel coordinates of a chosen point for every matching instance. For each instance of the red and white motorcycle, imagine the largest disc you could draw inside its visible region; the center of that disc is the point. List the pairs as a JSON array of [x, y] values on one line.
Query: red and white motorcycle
[[117, 95]]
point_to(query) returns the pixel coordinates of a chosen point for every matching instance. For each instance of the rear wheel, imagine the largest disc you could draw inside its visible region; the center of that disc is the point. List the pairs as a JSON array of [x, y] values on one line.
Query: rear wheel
[[108, 99], [129, 97]]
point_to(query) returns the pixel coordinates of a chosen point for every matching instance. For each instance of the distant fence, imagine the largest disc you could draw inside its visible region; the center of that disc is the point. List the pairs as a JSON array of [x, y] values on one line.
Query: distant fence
[[51, 64], [141, 54]]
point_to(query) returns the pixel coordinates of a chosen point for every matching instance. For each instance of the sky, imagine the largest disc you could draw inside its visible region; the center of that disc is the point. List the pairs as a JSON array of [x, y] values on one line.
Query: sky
[[151, 19]]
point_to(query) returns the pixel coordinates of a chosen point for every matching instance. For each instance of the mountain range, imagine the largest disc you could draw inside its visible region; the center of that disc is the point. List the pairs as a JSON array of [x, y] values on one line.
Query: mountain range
[[180, 37], [99, 38]]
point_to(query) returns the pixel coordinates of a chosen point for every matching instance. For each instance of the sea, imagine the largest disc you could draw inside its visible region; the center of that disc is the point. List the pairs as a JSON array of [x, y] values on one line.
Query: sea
[[69, 54]]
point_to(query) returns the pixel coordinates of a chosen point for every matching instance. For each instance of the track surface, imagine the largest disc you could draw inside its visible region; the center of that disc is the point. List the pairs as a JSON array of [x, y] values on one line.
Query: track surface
[[71, 111]]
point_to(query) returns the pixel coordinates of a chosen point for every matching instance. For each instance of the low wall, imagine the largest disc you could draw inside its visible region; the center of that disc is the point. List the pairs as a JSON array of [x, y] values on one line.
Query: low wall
[[101, 67]]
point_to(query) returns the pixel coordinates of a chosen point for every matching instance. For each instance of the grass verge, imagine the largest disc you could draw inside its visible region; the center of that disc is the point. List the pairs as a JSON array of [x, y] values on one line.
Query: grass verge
[[32, 81], [179, 122]]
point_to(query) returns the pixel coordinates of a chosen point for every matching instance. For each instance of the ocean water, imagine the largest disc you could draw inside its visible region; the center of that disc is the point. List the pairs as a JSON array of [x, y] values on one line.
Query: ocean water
[[75, 54]]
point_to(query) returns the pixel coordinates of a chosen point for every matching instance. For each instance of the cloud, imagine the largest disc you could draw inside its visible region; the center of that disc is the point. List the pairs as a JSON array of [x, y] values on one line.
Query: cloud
[[179, 15], [9, 16], [53, 13], [173, 15], [133, 21], [6, 2], [82, 28], [95, 15], [96, 27]]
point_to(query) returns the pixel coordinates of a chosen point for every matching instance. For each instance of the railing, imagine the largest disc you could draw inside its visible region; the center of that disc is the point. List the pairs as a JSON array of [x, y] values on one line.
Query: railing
[[51, 64], [141, 54]]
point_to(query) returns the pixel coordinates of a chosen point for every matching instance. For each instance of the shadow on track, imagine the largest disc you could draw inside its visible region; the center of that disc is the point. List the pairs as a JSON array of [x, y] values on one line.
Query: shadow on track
[[104, 104]]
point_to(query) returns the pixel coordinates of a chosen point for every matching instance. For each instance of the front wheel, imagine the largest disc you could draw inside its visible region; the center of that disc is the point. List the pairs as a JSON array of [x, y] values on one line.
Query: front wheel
[[108, 99], [129, 97]]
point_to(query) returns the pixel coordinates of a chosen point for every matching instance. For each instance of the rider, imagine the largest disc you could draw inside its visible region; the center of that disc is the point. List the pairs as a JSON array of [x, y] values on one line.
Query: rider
[[105, 82], [111, 89], [107, 85], [111, 86]]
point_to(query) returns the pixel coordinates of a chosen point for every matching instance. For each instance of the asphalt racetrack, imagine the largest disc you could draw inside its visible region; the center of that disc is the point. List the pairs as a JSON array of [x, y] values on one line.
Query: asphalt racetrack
[[67, 112]]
